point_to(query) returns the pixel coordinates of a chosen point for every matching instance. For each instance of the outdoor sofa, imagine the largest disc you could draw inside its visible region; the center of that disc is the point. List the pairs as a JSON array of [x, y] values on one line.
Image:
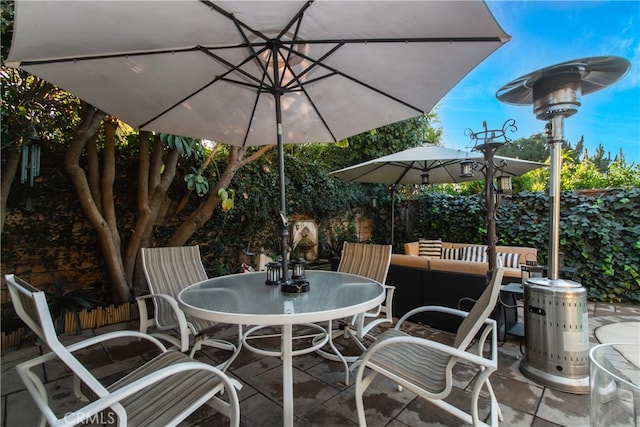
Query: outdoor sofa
[[448, 274]]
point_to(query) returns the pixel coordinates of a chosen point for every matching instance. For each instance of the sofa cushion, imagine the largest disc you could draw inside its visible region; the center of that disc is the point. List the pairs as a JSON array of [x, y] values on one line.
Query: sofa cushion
[[411, 248], [526, 253], [510, 260], [474, 253], [430, 248], [450, 253]]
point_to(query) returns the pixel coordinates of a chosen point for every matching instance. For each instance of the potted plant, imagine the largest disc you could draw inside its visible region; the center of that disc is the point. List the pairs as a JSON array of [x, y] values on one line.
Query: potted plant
[[332, 244]]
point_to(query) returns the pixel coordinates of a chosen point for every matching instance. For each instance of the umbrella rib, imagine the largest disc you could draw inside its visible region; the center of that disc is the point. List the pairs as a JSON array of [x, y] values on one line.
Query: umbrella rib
[[232, 68], [404, 173], [231, 17]]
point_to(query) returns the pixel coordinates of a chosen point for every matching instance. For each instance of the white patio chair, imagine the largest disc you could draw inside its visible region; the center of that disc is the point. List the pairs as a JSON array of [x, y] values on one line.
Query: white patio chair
[[168, 270], [371, 261], [425, 367], [163, 391]]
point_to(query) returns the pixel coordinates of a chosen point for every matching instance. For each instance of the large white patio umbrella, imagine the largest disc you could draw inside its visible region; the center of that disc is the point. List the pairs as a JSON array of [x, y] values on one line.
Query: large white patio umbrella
[[427, 164], [255, 72]]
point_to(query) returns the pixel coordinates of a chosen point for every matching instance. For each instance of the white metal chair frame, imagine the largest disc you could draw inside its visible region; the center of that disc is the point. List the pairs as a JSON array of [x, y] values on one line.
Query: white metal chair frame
[[165, 390], [167, 271], [415, 363], [371, 261]]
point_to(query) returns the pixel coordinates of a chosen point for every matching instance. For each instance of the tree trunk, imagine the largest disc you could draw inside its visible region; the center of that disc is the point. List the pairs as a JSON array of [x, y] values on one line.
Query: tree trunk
[[8, 175], [205, 210], [91, 118], [153, 184]]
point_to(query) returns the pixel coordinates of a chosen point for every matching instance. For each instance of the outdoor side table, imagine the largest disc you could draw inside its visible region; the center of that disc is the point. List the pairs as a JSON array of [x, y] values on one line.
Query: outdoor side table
[[514, 293]]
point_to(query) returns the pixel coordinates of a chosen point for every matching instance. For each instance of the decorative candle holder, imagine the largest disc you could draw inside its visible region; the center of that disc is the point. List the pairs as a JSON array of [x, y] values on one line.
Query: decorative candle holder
[[273, 273], [298, 267]]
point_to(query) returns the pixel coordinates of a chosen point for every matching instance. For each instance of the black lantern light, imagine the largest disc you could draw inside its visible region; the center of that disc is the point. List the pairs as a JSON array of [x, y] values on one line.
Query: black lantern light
[[503, 184], [466, 168], [298, 267], [424, 178], [273, 273]]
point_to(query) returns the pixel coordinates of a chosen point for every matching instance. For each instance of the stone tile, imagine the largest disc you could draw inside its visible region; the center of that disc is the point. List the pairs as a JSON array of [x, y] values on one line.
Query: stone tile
[[382, 402], [523, 397], [513, 417], [323, 416], [260, 411], [27, 351], [422, 412], [247, 372], [308, 391], [331, 373], [564, 408], [541, 422], [20, 410], [11, 382], [24, 412]]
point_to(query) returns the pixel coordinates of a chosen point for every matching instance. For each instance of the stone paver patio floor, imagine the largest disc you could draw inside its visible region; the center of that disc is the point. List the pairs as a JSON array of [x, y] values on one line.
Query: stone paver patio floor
[[321, 397]]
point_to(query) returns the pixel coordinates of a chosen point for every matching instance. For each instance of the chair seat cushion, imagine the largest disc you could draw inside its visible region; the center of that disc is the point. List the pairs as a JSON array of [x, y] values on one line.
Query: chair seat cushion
[[416, 364], [159, 403]]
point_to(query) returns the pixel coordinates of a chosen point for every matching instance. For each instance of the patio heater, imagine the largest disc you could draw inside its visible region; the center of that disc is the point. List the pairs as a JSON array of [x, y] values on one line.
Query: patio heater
[[496, 182], [555, 318]]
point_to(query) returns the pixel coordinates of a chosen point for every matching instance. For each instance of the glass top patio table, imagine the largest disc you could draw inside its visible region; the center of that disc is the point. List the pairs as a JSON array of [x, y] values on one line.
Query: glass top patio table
[[245, 299]]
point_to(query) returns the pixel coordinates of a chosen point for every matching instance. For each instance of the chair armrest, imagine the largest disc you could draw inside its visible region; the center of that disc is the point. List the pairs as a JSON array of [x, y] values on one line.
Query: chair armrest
[[491, 363], [114, 335], [182, 319], [431, 308]]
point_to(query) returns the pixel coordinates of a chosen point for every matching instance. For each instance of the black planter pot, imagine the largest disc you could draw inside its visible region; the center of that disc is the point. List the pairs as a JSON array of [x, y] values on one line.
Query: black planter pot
[[334, 262]]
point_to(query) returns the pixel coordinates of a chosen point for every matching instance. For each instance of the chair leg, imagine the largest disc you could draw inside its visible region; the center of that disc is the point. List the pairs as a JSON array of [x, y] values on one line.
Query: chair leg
[[362, 383], [495, 408]]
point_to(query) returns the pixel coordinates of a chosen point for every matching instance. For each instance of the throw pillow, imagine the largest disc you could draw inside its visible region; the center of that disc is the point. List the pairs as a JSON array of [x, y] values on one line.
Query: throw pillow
[[430, 248], [474, 253], [509, 260], [450, 253]]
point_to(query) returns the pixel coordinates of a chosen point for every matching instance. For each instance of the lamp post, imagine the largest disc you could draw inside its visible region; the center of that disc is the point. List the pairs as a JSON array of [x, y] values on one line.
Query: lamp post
[[487, 141]]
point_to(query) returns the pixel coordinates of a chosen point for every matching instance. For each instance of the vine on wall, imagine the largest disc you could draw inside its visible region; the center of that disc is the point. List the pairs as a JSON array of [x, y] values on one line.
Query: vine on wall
[[599, 233]]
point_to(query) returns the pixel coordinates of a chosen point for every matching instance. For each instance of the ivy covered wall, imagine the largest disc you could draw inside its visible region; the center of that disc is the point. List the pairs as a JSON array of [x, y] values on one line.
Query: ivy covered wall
[[47, 240], [599, 232]]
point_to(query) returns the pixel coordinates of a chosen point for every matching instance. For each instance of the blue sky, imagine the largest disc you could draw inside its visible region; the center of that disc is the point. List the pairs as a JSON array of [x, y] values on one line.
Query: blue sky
[[545, 33]]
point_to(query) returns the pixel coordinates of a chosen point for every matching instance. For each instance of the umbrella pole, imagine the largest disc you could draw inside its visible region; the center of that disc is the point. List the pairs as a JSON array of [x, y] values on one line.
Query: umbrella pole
[[283, 202], [393, 212]]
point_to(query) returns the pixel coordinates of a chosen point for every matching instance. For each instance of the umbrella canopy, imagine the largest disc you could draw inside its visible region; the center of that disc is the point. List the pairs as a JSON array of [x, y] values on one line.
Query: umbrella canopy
[[214, 69], [427, 164], [441, 164], [255, 72]]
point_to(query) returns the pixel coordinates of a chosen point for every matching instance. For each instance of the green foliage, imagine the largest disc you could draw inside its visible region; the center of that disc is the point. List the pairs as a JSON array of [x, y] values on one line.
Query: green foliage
[[62, 302], [332, 241], [599, 234], [378, 142], [196, 181], [227, 198], [534, 148]]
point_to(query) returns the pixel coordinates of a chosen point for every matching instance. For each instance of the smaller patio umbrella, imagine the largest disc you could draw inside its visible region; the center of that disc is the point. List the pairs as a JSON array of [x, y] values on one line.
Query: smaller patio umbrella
[[430, 164], [427, 164]]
